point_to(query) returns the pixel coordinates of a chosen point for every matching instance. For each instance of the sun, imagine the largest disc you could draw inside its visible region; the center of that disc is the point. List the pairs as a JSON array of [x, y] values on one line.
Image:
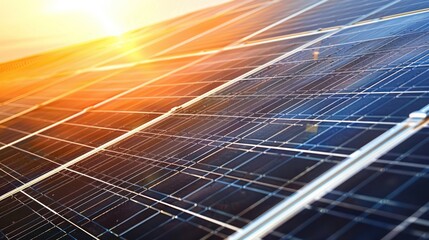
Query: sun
[[101, 10]]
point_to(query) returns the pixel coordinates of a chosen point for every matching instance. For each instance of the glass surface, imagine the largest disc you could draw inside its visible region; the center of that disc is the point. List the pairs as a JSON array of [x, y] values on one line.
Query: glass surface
[[209, 169]]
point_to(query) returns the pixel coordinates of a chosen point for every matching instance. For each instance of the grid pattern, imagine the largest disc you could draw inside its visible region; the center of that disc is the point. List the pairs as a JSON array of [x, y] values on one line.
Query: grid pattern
[[384, 201], [196, 145]]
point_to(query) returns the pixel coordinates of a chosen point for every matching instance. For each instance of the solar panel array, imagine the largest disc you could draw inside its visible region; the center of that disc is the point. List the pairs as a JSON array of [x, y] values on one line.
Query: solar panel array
[[202, 126]]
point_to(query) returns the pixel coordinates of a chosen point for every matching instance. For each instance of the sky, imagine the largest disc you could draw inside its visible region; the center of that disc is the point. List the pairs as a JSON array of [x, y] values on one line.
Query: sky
[[28, 27]]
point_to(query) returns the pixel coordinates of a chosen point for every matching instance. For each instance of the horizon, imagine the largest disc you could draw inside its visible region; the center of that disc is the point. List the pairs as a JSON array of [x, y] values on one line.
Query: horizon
[[52, 21]]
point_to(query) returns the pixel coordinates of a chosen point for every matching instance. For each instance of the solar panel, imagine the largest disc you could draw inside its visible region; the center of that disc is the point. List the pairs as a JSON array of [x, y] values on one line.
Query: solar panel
[[325, 15], [405, 6], [225, 122], [384, 201]]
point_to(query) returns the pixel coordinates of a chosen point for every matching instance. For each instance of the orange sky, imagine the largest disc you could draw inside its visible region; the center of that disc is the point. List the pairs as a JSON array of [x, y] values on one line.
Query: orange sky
[[32, 26]]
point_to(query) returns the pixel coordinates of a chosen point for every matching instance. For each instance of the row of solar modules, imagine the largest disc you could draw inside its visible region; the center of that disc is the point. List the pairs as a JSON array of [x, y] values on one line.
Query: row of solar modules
[[214, 27], [50, 92], [61, 65], [231, 156], [82, 91]]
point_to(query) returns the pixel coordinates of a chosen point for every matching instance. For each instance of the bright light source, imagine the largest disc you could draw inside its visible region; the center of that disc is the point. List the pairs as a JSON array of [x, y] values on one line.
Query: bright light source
[[101, 10]]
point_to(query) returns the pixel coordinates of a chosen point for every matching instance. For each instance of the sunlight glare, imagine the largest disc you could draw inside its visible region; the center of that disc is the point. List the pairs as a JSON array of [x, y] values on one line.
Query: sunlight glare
[[101, 10]]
